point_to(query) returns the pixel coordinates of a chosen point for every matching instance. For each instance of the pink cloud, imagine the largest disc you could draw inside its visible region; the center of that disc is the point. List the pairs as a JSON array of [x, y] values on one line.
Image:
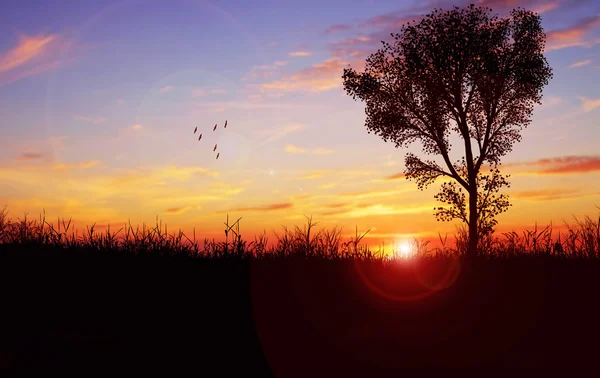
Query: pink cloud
[[30, 56]]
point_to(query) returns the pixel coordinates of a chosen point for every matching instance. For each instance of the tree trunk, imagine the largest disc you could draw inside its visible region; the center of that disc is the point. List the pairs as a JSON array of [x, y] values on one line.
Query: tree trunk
[[473, 231]]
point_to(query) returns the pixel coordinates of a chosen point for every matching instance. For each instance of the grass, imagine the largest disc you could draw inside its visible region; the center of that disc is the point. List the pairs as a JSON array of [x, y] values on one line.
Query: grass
[[306, 303], [582, 240]]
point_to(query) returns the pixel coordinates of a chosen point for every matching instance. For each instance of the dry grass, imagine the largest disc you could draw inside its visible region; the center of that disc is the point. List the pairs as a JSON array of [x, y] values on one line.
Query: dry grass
[[582, 240]]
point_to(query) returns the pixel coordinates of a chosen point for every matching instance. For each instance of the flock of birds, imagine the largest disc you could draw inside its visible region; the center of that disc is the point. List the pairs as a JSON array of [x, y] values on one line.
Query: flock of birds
[[214, 129]]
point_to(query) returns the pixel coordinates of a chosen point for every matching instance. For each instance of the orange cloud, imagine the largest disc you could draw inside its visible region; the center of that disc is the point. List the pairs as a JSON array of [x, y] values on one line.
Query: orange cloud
[[590, 104], [300, 53], [178, 210], [562, 165], [273, 207], [294, 149], [317, 78], [397, 176], [83, 165], [300, 150], [546, 194]]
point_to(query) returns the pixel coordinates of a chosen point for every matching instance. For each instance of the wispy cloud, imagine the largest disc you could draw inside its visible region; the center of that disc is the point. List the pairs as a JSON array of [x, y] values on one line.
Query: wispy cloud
[[560, 165], [30, 56], [317, 78], [27, 49], [589, 104], [264, 71], [546, 194], [293, 149], [272, 207], [178, 210], [300, 53], [69, 166], [166, 88], [200, 92], [271, 135], [338, 28], [27, 156], [379, 209], [574, 35], [581, 63], [96, 120]]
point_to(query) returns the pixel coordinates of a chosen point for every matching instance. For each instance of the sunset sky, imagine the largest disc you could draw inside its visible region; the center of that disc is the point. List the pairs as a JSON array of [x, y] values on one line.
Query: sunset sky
[[99, 99]]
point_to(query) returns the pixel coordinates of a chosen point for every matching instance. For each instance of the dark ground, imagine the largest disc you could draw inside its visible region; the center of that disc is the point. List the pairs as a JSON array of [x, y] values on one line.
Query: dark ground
[[295, 318]]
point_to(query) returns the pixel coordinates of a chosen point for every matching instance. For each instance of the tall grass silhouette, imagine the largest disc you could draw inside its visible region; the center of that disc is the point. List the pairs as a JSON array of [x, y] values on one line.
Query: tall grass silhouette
[[581, 240]]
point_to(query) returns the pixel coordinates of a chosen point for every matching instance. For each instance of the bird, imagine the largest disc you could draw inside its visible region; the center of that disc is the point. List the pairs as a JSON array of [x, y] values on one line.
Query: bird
[[217, 155], [225, 124], [215, 148], [214, 128], [200, 137], [196, 129]]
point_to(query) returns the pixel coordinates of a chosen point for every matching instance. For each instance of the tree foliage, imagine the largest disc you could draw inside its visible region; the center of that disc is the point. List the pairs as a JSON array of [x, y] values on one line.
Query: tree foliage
[[461, 72]]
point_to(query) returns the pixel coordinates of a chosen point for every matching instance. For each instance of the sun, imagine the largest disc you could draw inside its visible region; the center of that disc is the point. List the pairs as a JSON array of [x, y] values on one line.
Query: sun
[[405, 250]]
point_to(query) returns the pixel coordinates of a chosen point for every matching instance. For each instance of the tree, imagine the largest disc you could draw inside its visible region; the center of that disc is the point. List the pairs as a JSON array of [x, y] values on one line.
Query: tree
[[461, 72]]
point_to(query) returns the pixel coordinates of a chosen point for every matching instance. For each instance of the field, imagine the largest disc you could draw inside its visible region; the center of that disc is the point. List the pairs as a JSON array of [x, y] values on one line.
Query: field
[[309, 305]]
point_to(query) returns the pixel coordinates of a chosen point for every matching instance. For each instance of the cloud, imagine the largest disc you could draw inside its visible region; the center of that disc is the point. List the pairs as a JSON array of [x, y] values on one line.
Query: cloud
[[580, 63], [316, 78], [31, 56], [589, 104], [561, 165], [300, 53], [375, 193], [27, 49], [379, 209], [83, 165], [199, 92], [397, 176], [314, 174], [546, 194], [89, 119], [166, 88], [264, 71], [177, 210], [338, 28], [137, 126], [549, 102], [272, 207], [271, 135], [293, 149], [26, 156], [572, 36]]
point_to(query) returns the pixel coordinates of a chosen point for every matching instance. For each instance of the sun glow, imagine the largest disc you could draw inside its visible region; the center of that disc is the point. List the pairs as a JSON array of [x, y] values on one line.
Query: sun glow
[[404, 249]]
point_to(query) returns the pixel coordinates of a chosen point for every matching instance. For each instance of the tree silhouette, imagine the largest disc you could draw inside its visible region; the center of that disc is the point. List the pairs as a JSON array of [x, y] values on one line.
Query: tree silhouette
[[461, 72]]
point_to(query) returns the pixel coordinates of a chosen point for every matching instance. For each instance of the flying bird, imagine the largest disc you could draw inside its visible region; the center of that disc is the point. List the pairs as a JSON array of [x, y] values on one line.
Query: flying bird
[[200, 137], [214, 128], [225, 124], [217, 155], [196, 129], [215, 148]]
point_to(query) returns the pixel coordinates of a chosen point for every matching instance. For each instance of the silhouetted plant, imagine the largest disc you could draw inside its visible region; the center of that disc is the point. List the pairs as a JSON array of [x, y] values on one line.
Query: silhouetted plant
[[460, 71]]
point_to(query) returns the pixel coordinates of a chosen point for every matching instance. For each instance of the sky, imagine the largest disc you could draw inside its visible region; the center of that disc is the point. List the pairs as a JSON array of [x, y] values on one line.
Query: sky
[[99, 99]]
